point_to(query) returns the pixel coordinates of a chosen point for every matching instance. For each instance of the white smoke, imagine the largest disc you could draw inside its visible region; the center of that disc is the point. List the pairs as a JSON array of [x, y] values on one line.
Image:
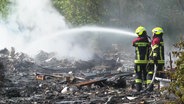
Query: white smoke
[[30, 24], [34, 25]]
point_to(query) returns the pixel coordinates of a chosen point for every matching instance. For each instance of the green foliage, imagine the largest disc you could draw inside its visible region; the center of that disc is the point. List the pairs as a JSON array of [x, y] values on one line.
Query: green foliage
[[177, 85], [4, 8], [80, 12]]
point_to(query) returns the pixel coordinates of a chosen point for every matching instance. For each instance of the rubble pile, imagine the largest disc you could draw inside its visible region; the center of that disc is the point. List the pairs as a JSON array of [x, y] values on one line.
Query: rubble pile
[[48, 80]]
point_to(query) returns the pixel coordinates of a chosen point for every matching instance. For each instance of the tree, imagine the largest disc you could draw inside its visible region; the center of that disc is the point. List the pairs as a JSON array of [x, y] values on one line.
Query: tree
[[4, 8], [81, 12]]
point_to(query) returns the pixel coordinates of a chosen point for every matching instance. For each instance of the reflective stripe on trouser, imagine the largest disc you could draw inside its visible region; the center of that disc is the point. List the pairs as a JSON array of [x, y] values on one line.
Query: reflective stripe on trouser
[[138, 81], [149, 77]]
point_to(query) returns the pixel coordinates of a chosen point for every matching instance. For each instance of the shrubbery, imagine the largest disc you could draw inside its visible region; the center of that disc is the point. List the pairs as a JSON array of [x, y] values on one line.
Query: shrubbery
[[177, 85]]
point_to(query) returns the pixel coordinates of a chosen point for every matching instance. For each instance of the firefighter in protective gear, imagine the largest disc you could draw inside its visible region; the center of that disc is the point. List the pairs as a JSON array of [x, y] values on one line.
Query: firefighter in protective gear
[[156, 55], [141, 44]]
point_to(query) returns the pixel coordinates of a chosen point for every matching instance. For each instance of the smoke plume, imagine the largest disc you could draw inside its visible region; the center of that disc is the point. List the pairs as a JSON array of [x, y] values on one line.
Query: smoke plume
[[29, 26]]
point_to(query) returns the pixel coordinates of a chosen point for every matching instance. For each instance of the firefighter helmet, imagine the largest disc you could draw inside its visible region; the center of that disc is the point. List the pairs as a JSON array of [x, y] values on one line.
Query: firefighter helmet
[[157, 30], [139, 31]]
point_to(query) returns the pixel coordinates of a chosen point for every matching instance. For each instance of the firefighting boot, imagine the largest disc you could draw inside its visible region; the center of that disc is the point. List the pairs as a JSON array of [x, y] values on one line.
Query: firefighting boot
[[150, 87], [138, 87]]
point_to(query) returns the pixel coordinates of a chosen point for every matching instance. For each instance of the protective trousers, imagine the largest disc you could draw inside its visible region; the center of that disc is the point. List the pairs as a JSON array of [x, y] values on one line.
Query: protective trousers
[[140, 72], [160, 67]]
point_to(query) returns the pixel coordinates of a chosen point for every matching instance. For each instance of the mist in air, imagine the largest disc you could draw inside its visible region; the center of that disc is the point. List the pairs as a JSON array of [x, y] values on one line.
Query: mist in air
[[35, 26]]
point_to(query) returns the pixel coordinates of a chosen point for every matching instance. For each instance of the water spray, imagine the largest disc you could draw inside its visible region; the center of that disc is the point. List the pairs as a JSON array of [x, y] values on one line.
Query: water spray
[[76, 31]]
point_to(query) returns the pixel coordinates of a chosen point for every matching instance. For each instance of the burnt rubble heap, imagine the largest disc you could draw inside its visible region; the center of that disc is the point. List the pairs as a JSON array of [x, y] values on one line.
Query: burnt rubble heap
[[48, 80]]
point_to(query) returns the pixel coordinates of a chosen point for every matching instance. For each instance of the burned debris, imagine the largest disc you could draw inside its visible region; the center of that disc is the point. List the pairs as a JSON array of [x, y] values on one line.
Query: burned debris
[[48, 80]]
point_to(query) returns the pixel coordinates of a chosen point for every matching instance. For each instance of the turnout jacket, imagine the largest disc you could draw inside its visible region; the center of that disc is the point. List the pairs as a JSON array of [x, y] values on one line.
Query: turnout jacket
[[157, 50], [141, 45]]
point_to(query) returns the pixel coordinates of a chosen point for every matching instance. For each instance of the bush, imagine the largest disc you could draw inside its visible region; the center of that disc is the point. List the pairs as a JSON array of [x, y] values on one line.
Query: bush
[[177, 85]]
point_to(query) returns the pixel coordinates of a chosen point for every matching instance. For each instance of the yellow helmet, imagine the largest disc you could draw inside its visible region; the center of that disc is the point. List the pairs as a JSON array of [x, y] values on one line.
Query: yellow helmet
[[157, 30], [140, 30]]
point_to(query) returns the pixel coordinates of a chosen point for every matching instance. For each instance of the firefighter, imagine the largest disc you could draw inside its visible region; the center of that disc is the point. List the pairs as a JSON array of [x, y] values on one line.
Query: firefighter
[[156, 55], [141, 44]]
